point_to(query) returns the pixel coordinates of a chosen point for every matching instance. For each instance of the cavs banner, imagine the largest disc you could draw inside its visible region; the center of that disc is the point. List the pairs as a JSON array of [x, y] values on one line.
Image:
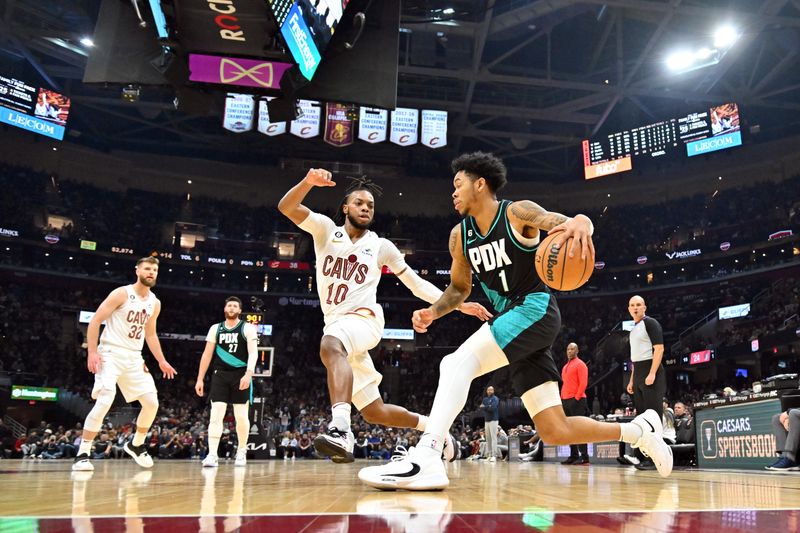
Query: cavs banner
[[737, 436], [339, 124], [434, 128], [405, 122], [372, 124], [239, 112], [264, 125], [307, 126]]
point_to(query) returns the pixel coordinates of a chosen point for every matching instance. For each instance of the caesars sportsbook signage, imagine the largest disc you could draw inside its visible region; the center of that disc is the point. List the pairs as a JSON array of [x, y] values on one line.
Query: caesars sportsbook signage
[[737, 436]]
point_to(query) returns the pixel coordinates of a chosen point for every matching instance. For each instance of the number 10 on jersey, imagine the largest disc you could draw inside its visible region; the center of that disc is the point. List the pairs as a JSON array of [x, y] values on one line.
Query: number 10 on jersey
[[337, 296]]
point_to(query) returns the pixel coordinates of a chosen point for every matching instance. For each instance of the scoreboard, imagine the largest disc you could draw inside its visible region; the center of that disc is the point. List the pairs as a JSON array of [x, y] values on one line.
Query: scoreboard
[[697, 132]]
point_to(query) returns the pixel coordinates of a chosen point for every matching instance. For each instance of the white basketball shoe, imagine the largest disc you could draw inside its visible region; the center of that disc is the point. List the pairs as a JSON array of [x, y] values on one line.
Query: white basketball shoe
[[414, 469], [651, 443]]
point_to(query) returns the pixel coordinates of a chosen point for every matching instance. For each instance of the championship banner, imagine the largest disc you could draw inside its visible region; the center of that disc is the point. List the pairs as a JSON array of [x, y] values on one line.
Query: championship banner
[[434, 128], [372, 124], [339, 124], [236, 71], [307, 126], [239, 110], [264, 125], [404, 126]]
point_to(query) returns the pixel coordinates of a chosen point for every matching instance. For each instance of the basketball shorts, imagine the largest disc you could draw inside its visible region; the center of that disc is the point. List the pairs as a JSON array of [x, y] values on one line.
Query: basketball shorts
[[359, 334], [225, 386], [126, 370], [525, 333]]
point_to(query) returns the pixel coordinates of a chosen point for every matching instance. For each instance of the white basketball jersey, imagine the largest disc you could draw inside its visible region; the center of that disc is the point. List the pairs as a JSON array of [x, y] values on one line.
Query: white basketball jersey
[[125, 327], [348, 272]]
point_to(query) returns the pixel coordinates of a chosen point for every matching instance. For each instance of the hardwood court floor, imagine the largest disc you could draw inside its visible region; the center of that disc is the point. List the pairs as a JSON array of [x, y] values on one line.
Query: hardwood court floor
[[535, 491]]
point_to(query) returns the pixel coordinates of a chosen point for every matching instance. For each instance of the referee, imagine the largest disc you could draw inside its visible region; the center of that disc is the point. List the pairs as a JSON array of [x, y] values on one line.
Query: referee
[[648, 383]]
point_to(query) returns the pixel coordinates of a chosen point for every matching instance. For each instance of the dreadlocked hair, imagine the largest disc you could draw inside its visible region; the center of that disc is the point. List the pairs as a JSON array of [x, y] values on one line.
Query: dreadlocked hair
[[361, 183]]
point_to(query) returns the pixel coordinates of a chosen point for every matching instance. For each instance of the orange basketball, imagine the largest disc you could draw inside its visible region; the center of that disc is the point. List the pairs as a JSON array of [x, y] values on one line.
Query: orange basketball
[[558, 271]]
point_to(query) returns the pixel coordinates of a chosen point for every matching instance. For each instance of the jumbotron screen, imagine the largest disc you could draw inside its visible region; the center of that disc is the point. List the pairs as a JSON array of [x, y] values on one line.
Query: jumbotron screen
[[698, 132], [33, 108], [307, 27]]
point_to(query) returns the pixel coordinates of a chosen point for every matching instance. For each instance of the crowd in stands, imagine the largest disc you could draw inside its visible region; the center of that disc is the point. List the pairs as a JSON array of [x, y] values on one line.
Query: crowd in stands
[[39, 335]]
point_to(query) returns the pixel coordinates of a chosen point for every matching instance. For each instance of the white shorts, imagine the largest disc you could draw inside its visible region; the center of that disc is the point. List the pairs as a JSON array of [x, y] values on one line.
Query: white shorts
[[128, 371], [359, 334]]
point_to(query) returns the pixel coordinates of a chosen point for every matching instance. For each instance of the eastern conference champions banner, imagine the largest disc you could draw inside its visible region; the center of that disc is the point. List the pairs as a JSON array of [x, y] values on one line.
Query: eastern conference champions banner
[[737, 436], [403, 126]]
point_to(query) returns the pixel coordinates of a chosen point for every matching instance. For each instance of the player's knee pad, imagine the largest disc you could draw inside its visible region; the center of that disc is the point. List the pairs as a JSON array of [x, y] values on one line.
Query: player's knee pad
[[460, 363], [216, 418], [94, 420], [147, 415]]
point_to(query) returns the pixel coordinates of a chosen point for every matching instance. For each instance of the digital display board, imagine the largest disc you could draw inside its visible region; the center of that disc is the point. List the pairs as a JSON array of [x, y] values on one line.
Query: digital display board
[[33, 108], [307, 27], [698, 132], [734, 311]]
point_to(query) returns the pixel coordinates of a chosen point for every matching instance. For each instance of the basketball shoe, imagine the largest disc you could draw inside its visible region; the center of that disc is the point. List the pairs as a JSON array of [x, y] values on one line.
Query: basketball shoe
[[336, 444], [241, 457], [651, 443], [414, 469], [211, 461], [82, 463], [139, 454]]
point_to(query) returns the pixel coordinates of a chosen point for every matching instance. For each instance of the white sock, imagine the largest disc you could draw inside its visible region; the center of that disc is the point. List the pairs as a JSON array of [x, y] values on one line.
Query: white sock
[[629, 432], [456, 372], [213, 445], [340, 416], [85, 447], [422, 423]]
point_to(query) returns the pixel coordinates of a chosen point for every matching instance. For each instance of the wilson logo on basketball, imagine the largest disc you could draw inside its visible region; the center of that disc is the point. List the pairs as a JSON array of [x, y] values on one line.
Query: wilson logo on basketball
[[552, 261]]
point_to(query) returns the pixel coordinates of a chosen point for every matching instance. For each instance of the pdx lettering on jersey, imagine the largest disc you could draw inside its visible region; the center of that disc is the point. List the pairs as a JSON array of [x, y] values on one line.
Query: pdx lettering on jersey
[[502, 260], [348, 272], [125, 327], [231, 348]]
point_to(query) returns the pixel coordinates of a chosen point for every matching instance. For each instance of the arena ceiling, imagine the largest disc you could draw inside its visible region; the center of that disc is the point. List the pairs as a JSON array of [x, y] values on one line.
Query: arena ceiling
[[527, 79]]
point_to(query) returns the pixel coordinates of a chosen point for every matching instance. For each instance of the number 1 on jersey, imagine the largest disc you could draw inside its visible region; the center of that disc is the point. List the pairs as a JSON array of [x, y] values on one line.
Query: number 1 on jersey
[[502, 275], [341, 294]]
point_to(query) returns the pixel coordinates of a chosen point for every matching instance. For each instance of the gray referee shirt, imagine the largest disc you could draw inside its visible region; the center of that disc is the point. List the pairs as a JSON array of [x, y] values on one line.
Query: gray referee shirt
[[643, 336]]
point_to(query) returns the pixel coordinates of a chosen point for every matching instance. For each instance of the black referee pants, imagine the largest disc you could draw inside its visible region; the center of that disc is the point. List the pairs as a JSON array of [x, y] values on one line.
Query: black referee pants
[[648, 396], [573, 407]]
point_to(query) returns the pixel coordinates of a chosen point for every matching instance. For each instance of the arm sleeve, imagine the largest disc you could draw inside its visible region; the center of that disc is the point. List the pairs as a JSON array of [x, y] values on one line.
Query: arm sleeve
[[654, 331], [251, 334], [319, 226], [390, 256], [212, 333]]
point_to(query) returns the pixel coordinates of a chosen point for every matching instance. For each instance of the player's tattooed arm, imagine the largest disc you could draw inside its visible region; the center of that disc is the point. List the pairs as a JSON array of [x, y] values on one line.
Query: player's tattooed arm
[[532, 214], [460, 278]]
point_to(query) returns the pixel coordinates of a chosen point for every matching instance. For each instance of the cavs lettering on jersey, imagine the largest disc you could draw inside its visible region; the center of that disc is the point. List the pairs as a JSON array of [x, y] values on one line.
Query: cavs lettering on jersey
[[125, 327], [231, 344], [348, 272], [502, 260]]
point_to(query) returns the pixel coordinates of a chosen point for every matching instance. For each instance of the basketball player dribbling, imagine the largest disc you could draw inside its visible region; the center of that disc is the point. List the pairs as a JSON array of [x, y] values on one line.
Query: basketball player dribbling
[[497, 241], [349, 262], [130, 313]]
